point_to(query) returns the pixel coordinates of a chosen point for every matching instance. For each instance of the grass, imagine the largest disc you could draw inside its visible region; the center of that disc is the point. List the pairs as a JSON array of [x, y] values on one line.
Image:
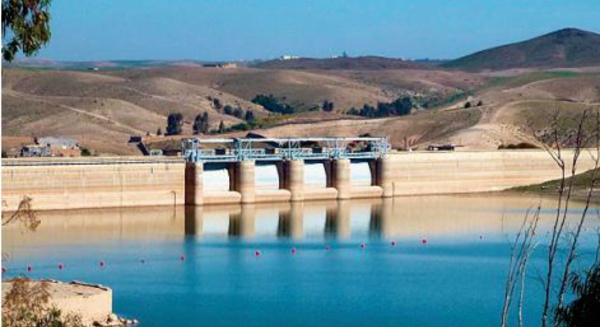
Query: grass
[[523, 79], [581, 185]]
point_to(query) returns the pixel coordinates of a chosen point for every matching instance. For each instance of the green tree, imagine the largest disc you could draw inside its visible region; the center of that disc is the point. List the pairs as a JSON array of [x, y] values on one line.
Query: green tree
[[201, 124], [174, 123], [249, 115], [159, 131], [238, 112], [25, 27], [228, 110], [327, 106], [221, 127], [217, 103], [467, 104], [272, 104], [583, 310]]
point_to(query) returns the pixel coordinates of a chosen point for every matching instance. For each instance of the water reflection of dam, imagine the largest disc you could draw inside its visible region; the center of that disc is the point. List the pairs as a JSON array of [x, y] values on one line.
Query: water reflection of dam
[[455, 217], [410, 217]]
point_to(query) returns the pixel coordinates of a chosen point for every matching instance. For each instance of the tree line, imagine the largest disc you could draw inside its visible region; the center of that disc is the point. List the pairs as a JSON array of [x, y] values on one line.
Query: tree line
[[399, 107], [201, 124]]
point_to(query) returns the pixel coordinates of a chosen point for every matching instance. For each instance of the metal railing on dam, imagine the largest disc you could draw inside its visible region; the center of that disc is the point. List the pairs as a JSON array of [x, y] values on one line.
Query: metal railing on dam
[[274, 149]]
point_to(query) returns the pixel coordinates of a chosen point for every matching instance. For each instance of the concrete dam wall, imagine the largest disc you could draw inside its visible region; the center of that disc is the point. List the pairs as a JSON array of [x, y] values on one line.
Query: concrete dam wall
[[67, 183], [122, 182], [468, 172]]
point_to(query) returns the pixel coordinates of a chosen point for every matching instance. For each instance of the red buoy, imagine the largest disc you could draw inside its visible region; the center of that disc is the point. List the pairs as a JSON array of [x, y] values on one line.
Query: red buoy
[[3, 270], [424, 241], [294, 251], [327, 248], [29, 268], [362, 246], [102, 264], [257, 253], [181, 258], [393, 243], [60, 266]]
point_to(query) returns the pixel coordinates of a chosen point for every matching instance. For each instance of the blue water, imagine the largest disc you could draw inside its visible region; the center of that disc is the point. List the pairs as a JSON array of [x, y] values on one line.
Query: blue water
[[166, 273]]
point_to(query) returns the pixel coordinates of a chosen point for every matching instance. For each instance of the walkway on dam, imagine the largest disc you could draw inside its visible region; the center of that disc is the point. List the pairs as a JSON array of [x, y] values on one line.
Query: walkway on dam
[[276, 149]]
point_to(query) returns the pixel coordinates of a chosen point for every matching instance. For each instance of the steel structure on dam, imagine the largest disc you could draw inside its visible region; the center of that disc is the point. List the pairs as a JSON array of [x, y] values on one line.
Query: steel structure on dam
[[240, 157], [273, 149]]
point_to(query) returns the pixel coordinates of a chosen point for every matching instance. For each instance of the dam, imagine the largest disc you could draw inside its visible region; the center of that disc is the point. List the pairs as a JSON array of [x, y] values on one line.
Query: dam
[[246, 171], [292, 169]]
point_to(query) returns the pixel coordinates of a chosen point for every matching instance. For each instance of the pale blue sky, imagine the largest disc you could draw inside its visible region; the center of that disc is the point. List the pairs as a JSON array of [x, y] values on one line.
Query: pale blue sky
[[250, 29]]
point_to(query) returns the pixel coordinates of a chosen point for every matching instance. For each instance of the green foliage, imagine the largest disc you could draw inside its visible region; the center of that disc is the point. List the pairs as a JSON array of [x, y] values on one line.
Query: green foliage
[[174, 123], [217, 103], [249, 116], [85, 152], [399, 107], [228, 110], [159, 131], [201, 124], [25, 27], [221, 128], [238, 112], [580, 182], [327, 106], [522, 145], [583, 310], [272, 104], [27, 304], [467, 105]]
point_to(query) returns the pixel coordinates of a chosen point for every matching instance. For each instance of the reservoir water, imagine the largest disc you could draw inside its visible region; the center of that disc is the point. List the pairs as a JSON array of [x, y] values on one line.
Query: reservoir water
[[409, 261]]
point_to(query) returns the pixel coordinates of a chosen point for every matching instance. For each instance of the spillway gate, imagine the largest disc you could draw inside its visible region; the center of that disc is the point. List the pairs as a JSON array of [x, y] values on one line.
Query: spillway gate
[[275, 149]]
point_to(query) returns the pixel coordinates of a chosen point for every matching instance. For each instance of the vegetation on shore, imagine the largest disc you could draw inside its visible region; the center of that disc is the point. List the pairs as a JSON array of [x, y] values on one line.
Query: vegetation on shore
[[581, 184]]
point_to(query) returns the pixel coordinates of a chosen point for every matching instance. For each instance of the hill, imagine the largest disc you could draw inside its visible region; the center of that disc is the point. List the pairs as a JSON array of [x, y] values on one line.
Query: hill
[[348, 63], [569, 47], [101, 109]]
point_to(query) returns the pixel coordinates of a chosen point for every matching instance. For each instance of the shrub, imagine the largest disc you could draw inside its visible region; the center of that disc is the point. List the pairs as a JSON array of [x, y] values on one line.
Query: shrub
[[85, 152], [27, 304]]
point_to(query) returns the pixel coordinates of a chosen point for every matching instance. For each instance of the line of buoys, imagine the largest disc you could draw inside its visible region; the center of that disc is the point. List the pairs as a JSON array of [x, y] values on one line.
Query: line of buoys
[[257, 253]]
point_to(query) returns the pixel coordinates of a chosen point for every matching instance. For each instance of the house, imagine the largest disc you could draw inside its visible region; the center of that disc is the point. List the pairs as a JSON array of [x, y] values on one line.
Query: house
[[51, 147]]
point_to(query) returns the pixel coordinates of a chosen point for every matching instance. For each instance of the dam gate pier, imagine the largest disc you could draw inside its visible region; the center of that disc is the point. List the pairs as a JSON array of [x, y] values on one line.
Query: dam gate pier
[[252, 170]]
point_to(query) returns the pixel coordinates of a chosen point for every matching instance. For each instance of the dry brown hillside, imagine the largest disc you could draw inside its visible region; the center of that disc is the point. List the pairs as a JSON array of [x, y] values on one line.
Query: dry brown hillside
[[101, 109]]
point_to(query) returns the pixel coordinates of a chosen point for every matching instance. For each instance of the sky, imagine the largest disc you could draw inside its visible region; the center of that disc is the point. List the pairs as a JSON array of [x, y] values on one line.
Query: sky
[[215, 30]]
